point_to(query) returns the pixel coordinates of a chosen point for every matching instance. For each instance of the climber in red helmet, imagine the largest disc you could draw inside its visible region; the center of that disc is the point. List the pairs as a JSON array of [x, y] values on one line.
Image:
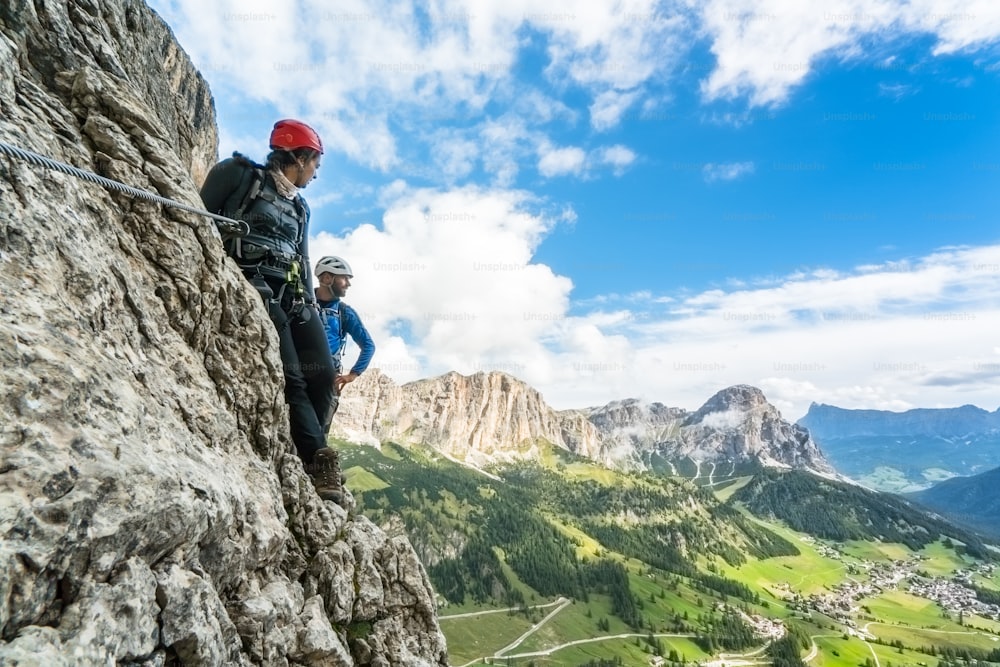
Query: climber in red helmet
[[274, 256]]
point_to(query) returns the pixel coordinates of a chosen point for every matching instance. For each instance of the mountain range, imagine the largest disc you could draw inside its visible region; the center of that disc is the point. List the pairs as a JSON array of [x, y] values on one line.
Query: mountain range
[[906, 451], [493, 417], [828, 421]]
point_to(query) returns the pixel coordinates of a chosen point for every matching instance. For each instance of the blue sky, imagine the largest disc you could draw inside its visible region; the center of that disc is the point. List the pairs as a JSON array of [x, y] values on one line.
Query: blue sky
[[646, 199]]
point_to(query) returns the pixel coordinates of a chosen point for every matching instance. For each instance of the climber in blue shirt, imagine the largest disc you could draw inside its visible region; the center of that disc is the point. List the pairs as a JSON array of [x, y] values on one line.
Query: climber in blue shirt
[[340, 320]]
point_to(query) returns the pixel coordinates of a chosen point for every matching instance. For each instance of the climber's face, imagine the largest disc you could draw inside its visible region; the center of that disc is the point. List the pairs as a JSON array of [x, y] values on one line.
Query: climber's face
[[339, 285], [307, 170]]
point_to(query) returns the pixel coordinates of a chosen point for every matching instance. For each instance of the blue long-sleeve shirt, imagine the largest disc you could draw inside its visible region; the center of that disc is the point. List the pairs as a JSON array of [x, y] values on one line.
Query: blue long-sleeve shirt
[[332, 313]]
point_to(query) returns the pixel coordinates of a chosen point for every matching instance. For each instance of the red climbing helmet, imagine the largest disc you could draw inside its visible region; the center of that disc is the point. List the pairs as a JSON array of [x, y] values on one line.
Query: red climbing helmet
[[289, 134]]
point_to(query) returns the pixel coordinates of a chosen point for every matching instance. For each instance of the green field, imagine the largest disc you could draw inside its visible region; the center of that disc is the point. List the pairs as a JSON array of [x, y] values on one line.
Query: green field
[[660, 604], [588, 546], [876, 551], [578, 621], [899, 616], [360, 480], [468, 640], [852, 652], [633, 651], [808, 573], [724, 492], [942, 561], [901, 608], [573, 623], [915, 622]]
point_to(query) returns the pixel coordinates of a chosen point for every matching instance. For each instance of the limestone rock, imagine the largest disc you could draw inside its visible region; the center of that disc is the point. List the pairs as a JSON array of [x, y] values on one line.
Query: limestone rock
[[152, 509], [480, 418]]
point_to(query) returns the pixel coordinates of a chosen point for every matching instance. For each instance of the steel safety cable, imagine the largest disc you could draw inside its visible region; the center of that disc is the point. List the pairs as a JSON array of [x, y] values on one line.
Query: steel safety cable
[[226, 225]]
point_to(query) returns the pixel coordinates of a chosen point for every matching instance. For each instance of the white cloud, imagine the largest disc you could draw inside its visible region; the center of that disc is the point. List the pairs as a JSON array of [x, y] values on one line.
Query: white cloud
[[455, 268], [608, 108], [896, 91], [554, 161], [454, 155], [764, 48], [361, 70], [727, 171], [618, 157], [572, 160], [379, 78], [446, 279]]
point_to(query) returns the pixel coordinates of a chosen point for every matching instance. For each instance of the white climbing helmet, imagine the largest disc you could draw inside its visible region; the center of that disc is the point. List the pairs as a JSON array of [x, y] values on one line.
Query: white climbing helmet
[[334, 265]]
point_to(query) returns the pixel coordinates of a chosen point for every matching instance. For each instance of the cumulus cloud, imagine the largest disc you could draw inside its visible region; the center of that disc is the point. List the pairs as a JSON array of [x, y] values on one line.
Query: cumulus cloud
[[447, 279], [608, 108], [378, 78], [836, 337], [764, 48]]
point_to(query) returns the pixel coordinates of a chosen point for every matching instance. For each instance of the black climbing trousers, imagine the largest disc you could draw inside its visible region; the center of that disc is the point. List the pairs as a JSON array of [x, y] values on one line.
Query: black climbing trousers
[[309, 374]]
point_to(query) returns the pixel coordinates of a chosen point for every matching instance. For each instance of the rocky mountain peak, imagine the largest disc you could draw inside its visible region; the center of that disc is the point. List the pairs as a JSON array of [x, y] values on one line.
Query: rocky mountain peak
[[153, 509], [738, 398], [739, 424]]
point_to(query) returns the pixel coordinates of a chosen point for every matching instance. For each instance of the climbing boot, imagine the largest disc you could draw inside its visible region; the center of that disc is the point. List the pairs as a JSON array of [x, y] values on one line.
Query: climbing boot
[[326, 476]]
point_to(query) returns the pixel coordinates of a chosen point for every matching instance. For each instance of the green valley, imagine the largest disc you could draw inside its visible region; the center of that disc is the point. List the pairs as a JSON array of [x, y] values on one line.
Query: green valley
[[564, 562]]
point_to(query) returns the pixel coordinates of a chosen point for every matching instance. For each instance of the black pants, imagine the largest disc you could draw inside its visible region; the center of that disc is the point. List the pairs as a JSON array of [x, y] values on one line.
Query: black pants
[[309, 373]]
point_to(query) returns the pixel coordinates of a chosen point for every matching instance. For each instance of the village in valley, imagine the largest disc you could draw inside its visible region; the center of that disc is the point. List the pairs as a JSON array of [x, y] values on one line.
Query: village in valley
[[867, 579]]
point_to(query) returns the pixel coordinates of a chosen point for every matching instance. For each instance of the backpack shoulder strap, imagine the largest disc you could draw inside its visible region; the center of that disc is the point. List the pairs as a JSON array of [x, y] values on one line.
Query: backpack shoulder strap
[[343, 330], [252, 181]]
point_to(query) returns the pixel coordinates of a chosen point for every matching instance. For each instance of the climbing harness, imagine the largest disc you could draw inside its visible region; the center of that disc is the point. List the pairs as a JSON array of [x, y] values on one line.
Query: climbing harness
[[227, 226]]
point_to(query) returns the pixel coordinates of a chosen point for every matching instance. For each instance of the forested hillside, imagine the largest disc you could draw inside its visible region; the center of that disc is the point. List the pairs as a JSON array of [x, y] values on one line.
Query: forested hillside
[[971, 500], [467, 526], [840, 511]]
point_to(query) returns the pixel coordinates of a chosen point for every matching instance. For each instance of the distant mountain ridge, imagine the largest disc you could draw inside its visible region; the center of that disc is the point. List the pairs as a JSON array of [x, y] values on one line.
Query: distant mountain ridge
[[495, 417], [905, 452], [970, 500], [825, 421]]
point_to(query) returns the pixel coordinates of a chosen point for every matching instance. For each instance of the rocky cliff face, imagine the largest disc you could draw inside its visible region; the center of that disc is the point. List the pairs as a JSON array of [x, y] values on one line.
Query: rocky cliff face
[[478, 418], [630, 426], [151, 506], [489, 417]]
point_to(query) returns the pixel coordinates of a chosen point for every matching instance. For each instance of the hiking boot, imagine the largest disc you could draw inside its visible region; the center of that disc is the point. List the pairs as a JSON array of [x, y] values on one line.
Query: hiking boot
[[326, 476]]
